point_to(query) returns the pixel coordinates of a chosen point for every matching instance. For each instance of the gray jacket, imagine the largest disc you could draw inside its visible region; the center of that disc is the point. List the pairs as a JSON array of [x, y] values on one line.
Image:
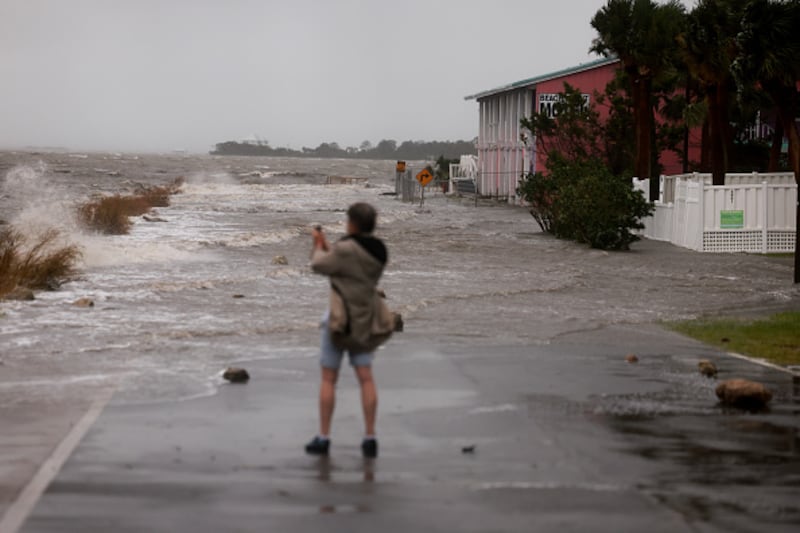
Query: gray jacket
[[359, 319]]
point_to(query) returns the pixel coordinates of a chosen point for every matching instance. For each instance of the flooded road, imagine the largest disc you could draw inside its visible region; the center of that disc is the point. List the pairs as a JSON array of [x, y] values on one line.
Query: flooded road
[[537, 328], [165, 319]]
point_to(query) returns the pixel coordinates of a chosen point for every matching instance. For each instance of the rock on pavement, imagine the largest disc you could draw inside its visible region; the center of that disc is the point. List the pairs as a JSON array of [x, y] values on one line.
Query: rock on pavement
[[743, 393]]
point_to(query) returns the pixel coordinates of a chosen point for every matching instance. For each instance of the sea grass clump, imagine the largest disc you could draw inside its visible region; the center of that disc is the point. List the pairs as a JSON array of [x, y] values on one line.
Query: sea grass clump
[[34, 263], [111, 214]]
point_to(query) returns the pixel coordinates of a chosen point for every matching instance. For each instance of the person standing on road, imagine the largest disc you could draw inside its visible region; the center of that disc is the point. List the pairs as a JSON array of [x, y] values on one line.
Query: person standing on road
[[357, 321]]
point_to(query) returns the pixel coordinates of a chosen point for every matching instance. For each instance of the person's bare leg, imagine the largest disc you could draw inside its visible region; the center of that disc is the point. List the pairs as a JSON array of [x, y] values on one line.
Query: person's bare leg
[[327, 400], [369, 398]]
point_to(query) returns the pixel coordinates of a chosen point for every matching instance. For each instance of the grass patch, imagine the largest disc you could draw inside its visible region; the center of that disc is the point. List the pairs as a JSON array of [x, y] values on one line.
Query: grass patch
[[111, 214], [40, 263], [776, 338]]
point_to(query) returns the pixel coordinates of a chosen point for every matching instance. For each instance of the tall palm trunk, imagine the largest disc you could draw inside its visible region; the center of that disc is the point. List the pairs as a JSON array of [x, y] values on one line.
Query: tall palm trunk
[[686, 131], [643, 118], [787, 116], [719, 132], [705, 147], [716, 137], [794, 160], [775, 149]]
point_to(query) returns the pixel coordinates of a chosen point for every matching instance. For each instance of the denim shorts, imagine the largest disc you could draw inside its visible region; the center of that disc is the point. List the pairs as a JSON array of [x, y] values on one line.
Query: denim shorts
[[331, 356]]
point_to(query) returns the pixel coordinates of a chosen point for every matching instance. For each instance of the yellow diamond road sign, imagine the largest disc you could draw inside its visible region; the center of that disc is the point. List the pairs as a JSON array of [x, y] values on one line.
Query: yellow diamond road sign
[[424, 177]]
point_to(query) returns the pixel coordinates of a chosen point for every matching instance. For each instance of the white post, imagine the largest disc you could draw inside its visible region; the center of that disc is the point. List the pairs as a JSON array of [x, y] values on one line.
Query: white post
[[701, 208], [764, 217], [687, 229]]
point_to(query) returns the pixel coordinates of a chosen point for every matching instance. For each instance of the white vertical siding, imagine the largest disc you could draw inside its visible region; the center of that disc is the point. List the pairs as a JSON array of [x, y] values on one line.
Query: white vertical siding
[[501, 154]]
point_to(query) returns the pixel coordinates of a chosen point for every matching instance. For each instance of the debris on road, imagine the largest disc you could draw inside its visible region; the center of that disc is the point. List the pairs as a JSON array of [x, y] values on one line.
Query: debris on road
[[236, 375], [743, 394]]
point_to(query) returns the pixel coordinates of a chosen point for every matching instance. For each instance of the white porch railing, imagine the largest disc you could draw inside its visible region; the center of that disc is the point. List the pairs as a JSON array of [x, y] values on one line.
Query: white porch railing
[[487, 178], [465, 173], [752, 213]]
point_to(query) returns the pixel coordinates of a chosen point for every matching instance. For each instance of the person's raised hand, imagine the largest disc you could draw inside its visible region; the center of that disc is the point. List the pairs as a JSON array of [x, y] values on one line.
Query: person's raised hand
[[319, 238]]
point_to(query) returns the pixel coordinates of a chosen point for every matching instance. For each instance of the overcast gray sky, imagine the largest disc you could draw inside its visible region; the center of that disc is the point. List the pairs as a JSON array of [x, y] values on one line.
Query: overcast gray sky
[[159, 75]]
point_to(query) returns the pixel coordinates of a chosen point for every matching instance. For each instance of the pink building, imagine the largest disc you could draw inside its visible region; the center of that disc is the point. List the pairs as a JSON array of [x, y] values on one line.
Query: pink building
[[503, 156]]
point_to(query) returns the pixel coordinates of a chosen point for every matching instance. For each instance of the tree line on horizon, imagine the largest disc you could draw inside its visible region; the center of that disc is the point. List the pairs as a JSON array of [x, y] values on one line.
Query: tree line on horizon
[[385, 149]]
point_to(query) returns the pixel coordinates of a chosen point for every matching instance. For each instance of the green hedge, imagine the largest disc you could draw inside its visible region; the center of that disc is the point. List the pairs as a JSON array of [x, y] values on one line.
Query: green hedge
[[581, 200]]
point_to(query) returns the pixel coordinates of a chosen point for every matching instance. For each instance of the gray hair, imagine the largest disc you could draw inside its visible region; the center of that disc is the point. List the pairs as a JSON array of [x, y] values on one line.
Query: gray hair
[[363, 216]]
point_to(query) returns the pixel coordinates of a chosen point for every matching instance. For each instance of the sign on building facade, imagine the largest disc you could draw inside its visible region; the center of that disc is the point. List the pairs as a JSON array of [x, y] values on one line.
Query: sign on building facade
[[547, 102]]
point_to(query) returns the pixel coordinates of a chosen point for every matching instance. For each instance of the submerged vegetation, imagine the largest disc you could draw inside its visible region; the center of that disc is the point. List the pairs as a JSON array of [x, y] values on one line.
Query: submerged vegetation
[[39, 263], [111, 214], [45, 261], [776, 338]]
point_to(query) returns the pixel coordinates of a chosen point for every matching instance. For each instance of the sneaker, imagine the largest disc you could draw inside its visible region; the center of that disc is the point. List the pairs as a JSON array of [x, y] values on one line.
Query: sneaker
[[369, 447], [318, 446]]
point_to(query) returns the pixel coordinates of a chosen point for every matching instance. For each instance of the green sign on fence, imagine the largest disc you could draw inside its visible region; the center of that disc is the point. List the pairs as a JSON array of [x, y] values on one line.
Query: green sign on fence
[[731, 219]]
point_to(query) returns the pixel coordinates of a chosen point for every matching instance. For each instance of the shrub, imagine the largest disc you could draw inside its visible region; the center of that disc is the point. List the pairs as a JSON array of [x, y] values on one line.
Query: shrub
[[43, 264], [110, 214], [582, 200], [442, 168], [539, 191], [582, 196], [159, 196]]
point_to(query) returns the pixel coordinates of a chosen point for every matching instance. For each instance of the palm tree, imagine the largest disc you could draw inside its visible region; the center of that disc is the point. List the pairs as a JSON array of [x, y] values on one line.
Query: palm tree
[[641, 33], [769, 59], [708, 48]]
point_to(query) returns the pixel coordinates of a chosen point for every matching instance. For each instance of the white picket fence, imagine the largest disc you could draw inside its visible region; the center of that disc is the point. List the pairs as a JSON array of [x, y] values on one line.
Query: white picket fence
[[751, 213]]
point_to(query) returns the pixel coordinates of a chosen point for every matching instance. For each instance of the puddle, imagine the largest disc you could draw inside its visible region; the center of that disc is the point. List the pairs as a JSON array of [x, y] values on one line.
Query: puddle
[[713, 463]]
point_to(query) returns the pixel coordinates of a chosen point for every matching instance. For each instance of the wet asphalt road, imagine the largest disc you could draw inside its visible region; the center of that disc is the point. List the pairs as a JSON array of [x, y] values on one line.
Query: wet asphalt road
[[567, 436]]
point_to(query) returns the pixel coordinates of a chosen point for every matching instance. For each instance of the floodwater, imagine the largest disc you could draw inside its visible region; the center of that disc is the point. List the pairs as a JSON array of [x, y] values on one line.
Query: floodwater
[[176, 301]]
